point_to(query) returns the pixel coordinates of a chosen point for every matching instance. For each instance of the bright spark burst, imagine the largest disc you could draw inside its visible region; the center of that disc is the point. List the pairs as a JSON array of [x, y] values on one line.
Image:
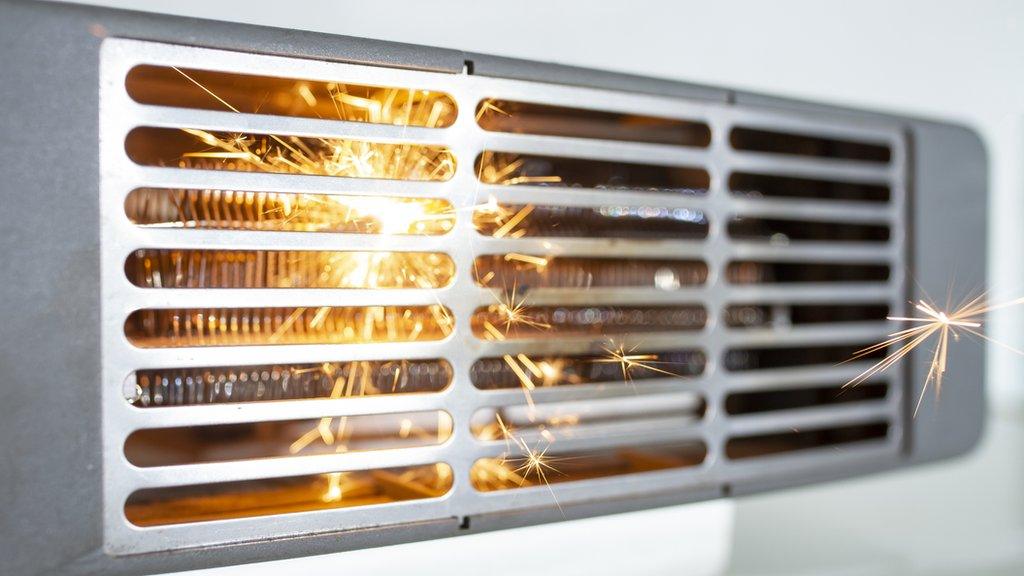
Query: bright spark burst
[[628, 361], [522, 463], [535, 462], [514, 312], [944, 325]]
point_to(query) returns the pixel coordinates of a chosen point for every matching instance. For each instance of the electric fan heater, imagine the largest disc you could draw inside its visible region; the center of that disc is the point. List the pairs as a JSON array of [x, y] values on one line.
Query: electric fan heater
[[276, 293]]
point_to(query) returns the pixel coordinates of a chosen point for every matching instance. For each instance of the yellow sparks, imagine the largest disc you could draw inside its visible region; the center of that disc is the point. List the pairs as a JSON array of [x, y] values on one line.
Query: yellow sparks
[[966, 318], [536, 261], [522, 464], [535, 462], [628, 361], [514, 312], [507, 170], [488, 106], [335, 156], [512, 222], [524, 379], [493, 331]]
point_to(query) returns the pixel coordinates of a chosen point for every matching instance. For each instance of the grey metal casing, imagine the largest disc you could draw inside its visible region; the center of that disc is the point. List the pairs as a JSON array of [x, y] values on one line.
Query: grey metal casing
[[50, 353]]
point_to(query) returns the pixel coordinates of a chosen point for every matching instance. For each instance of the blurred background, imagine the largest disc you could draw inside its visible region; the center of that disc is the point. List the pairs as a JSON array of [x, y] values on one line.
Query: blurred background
[[956, 61]]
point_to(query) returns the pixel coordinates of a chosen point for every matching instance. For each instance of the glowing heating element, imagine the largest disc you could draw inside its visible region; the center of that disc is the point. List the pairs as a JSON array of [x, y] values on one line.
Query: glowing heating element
[[341, 297]]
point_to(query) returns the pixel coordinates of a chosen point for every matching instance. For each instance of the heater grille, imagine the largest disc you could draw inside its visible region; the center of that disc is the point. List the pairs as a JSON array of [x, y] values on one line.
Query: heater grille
[[343, 297]]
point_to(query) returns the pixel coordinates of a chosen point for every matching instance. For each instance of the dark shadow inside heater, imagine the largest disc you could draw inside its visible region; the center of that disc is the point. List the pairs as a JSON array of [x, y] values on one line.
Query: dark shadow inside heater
[[743, 359], [758, 185], [791, 399], [763, 316], [757, 140], [628, 222], [756, 272], [779, 231], [547, 120], [796, 440]]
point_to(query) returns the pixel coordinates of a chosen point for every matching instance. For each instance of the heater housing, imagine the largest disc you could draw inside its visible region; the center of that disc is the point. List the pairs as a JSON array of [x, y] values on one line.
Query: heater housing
[[790, 230]]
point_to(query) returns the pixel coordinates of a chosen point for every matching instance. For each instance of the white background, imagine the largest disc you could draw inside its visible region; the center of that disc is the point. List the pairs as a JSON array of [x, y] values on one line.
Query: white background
[[961, 61]]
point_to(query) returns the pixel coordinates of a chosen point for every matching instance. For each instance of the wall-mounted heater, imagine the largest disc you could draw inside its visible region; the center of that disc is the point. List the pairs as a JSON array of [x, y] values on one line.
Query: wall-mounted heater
[[273, 293]]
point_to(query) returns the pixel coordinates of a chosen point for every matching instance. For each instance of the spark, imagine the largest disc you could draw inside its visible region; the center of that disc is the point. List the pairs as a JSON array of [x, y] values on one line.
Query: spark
[[536, 261], [389, 216], [520, 463], [524, 379], [512, 222], [934, 322], [507, 170], [628, 361], [489, 106], [340, 157], [514, 312], [535, 462]]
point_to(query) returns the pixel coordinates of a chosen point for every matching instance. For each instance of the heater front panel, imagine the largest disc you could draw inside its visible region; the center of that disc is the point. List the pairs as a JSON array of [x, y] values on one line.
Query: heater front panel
[[316, 320]]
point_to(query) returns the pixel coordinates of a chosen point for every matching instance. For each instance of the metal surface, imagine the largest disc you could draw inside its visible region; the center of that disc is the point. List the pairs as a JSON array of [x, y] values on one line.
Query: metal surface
[[119, 175]]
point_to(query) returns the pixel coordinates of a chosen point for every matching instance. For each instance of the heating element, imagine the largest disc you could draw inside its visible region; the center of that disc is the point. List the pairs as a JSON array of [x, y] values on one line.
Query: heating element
[[339, 297]]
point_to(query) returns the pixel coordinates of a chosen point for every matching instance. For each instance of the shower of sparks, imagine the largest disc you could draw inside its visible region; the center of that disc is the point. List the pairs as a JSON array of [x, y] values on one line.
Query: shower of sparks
[[630, 362], [337, 432], [350, 158], [337, 156], [522, 464], [943, 325]]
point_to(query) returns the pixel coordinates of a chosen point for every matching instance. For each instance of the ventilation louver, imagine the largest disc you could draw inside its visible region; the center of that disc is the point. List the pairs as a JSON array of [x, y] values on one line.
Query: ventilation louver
[[339, 297]]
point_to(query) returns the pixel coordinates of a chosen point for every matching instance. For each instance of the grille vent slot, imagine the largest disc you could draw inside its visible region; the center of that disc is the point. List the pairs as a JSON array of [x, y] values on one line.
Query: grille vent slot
[[343, 297]]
